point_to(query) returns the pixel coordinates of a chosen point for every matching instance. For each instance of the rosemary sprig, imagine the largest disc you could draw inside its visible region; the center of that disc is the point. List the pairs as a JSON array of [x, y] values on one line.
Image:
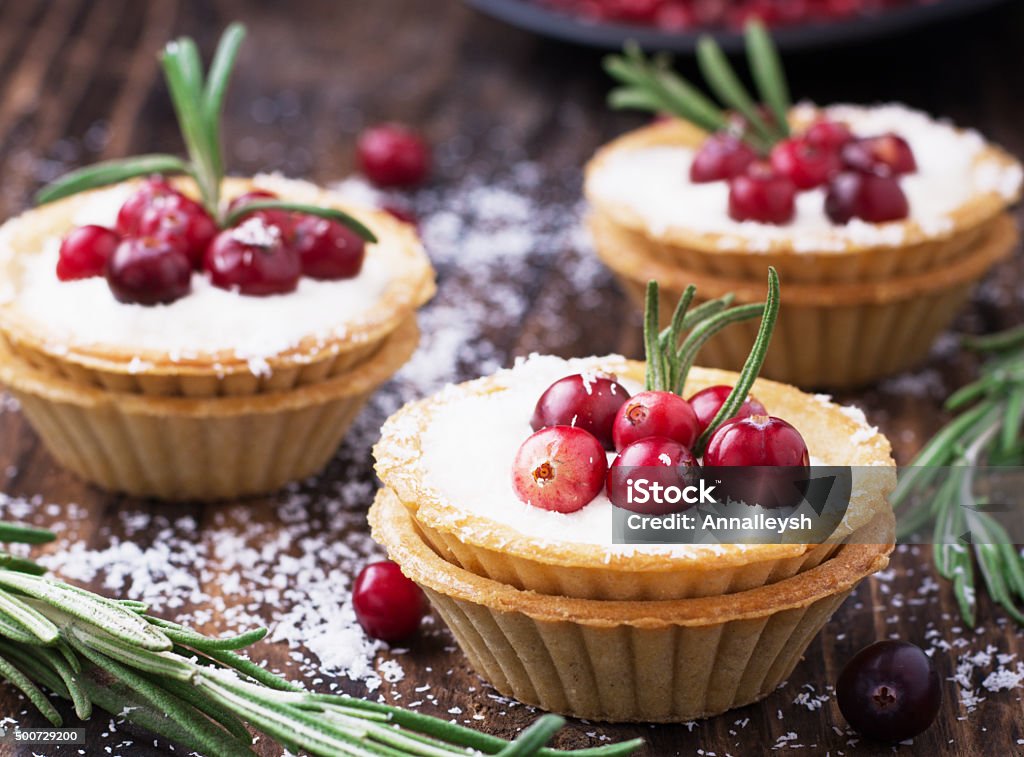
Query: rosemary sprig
[[652, 85], [198, 101], [940, 484], [671, 352], [195, 691]]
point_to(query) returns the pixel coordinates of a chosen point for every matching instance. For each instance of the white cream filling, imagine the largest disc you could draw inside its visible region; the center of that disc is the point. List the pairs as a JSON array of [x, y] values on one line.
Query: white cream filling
[[653, 182], [207, 321], [471, 442]]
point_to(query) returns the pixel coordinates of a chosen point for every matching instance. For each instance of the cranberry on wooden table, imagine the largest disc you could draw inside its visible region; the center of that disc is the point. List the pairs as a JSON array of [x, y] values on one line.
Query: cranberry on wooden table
[[393, 155], [388, 606], [889, 691]]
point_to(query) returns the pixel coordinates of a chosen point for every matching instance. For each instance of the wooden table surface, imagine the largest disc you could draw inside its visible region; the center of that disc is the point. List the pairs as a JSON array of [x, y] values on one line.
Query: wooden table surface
[[79, 82]]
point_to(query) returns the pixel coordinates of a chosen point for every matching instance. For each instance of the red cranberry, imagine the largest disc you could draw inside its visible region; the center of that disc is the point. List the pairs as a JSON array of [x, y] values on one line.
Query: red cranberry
[[762, 195], [253, 259], [328, 249], [150, 191], [890, 691], [85, 251], [388, 606], [757, 440], [587, 402], [876, 199], [149, 271], [559, 468], [392, 155], [655, 414], [283, 219], [721, 157], [828, 135], [771, 460], [658, 460], [887, 155], [804, 163], [183, 221], [707, 402]]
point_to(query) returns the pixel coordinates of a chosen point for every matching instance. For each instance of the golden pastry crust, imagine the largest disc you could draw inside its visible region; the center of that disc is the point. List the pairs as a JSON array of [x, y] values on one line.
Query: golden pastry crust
[[314, 358], [185, 448], [713, 253], [554, 566], [667, 661]]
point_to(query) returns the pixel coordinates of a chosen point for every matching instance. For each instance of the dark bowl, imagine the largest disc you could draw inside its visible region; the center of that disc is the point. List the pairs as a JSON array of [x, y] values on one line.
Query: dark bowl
[[525, 14]]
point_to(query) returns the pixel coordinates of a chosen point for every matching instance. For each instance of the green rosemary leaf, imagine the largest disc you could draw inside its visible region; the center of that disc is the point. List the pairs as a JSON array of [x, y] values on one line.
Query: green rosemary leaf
[[15, 631], [64, 599], [32, 692], [752, 366], [656, 88], [967, 394], [1009, 339], [992, 569], [216, 86], [251, 670], [107, 173], [33, 621], [766, 68], [211, 738], [185, 86], [190, 638], [1013, 418], [289, 726], [207, 705], [21, 533], [530, 741], [20, 564], [706, 310], [703, 332], [688, 102], [156, 663], [633, 98], [653, 379], [31, 664], [727, 87], [333, 214], [668, 340], [68, 674], [122, 702], [937, 452]]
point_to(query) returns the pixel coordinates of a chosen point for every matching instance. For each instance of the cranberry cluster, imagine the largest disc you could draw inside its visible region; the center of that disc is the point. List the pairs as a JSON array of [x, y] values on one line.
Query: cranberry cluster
[[564, 464], [860, 174], [162, 236], [678, 15]]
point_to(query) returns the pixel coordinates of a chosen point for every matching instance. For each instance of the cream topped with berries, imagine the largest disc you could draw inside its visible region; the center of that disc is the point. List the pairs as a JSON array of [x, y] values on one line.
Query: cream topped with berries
[[758, 173]]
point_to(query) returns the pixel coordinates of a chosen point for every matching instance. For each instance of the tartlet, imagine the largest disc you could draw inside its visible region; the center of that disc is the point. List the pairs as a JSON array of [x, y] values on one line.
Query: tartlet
[[199, 448], [654, 661], [213, 342], [446, 460], [847, 286]]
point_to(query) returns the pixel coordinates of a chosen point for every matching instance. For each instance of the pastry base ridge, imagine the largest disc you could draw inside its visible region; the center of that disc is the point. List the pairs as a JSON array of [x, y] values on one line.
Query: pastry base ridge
[[654, 661], [178, 448]]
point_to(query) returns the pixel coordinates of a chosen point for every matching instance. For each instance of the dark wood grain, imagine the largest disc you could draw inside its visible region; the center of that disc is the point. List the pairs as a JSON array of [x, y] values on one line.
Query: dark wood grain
[[78, 81]]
